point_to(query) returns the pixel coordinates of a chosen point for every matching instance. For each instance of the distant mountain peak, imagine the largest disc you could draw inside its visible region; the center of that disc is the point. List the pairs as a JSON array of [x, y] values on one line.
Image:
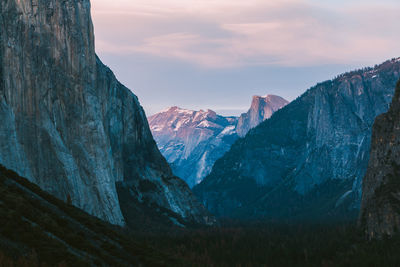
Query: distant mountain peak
[[176, 109], [176, 119], [262, 108], [192, 140]]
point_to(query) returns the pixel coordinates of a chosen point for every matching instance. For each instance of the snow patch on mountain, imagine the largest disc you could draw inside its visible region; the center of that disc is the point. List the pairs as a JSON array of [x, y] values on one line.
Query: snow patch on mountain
[[228, 131]]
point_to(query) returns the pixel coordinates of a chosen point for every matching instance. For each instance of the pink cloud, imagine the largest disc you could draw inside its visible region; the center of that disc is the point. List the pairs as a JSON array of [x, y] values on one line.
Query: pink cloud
[[220, 34]]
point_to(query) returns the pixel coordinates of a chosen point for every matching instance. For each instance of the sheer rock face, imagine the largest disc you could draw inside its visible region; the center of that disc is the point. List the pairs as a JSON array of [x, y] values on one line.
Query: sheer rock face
[[68, 125], [310, 157], [192, 141], [262, 108], [380, 209]]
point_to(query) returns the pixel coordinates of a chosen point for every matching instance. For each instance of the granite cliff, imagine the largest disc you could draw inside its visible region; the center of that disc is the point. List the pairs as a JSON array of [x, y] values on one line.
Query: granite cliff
[[308, 160], [380, 207], [262, 108], [69, 126]]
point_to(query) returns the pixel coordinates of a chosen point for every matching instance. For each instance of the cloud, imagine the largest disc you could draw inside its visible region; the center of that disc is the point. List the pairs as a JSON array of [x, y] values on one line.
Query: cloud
[[225, 34]]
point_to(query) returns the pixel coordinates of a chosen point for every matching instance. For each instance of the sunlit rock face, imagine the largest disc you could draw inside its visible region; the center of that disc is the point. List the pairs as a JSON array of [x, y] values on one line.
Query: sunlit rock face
[[262, 108], [380, 209], [309, 158], [68, 125], [192, 141]]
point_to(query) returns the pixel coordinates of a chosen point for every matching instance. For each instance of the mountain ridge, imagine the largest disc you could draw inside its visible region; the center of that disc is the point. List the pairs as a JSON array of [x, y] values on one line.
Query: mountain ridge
[[188, 139], [192, 140], [320, 138]]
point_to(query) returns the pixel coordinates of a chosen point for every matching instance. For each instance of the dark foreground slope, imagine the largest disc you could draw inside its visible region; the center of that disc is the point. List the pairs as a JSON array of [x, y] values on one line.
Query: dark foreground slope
[[38, 229], [35, 227], [380, 210], [70, 127], [307, 160]]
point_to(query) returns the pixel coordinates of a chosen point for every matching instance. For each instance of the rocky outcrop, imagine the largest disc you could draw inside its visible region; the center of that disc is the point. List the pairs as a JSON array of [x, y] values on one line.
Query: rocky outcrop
[[380, 209], [192, 141], [69, 126], [309, 158], [262, 108]]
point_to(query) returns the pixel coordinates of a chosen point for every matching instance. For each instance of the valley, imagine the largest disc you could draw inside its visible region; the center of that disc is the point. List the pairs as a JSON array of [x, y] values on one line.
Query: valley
[[88, 179]]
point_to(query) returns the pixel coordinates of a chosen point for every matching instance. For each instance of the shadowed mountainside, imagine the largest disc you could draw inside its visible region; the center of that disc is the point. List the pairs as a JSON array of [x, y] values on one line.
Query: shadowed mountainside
[[41, 229], [308, 160], [380, 209]]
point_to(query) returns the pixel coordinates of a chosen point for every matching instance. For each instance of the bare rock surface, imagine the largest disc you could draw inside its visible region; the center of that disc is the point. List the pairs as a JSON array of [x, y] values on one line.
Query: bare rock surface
[[69, 126], [262, 108]]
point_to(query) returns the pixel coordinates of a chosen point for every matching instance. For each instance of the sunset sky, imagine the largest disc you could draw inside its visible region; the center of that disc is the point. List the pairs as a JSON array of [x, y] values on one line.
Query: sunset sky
[[217, 54]]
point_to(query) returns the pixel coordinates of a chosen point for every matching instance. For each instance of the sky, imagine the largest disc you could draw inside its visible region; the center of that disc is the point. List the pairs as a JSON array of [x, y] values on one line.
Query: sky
[[217, 54]]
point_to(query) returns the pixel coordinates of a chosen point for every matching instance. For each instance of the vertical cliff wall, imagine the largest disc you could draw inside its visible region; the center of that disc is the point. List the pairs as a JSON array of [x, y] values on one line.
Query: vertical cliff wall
[[262, 108], [68, 125], [380, 209]]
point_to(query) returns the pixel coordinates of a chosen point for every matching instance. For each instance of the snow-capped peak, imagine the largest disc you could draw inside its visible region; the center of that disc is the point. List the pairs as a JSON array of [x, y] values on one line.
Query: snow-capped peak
[[177, 109]]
